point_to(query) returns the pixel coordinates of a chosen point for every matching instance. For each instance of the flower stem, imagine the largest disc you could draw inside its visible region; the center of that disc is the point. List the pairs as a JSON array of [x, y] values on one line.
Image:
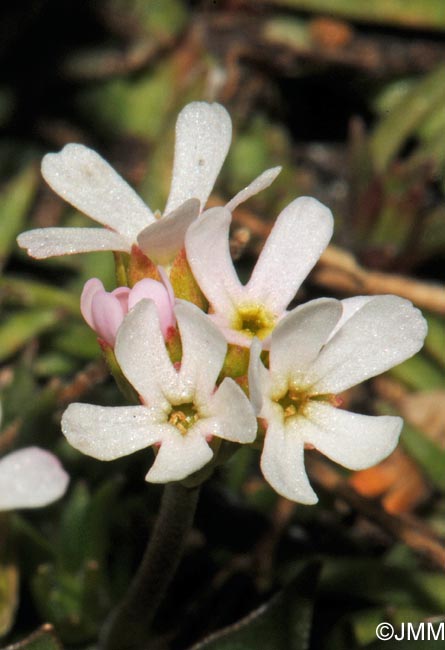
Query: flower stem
[[128, 627]]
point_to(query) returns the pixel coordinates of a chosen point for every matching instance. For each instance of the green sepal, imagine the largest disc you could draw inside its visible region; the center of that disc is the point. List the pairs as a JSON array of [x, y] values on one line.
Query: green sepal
[[121, 262], [236, 362], [124, 386], [184, 283], [174, 346]]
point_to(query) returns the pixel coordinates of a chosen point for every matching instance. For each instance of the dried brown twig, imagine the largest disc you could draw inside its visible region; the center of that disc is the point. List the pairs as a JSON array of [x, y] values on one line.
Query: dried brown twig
[[338, 269]]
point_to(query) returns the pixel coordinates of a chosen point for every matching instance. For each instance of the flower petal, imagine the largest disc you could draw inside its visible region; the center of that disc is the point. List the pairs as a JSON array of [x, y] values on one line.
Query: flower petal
[[30, 478], [109, 432], [107, 315], [158, 292], [122, 294], [208, 253], [203, 350], [141, 353], [91, 287], [179, 456], [49, 242], [161, 241], [282, 463], [355, 441], [383, 333], [84, 179], [203, 135], [350, 306], [298, 238], [233, 413], [298, 339], [259, 378], [260, 183]]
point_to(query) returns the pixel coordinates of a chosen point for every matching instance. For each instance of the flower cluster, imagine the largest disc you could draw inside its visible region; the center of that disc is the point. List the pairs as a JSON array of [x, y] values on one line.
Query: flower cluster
[[243, 367]]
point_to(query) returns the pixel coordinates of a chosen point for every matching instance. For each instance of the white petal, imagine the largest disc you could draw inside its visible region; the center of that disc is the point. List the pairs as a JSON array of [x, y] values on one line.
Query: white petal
[[163, 240], [109, 432], [282, 463], [259, 379], [355, 441], [260, 183], [298, 339], [203, 350], [208, 253], [179, 456], [233, 414], [48, 242], [350, 307], [203, 135], [30, 478], [141, 353], [90, 184], [384, 332], [299, 236]]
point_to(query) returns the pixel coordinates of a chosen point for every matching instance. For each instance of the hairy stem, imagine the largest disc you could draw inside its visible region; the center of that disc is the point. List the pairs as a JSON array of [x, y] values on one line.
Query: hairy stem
[[128, 627]]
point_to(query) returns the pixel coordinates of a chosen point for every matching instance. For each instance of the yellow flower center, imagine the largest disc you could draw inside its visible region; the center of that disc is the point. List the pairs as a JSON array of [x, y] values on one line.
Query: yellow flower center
[[254, 320], [295, 401], [183, 416]]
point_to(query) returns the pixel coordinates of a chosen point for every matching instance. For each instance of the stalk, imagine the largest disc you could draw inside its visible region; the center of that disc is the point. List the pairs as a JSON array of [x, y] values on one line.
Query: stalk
[[129, 626]]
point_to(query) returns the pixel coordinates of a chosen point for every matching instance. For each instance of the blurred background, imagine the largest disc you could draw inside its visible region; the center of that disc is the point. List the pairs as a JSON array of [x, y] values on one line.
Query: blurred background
[[349, 97]]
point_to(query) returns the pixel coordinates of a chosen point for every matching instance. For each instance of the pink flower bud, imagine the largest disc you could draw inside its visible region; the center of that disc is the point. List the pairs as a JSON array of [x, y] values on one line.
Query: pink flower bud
[[104, 311]]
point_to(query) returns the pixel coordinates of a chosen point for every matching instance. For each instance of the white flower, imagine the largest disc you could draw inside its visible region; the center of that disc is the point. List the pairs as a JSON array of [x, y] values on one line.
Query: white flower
[[84, 179], [180, 409], [30, 478], [299, 236], [319, 350]]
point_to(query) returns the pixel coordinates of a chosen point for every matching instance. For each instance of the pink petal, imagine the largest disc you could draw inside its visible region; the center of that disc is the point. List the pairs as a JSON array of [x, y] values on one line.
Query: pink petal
[[122, 293], [153, 290], [89, 291], [107, 315]]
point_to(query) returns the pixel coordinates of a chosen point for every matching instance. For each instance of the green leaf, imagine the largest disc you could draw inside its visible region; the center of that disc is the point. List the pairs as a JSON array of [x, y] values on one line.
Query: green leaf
[[419, 373], [31, 293], [20, 328], [435, 339], [72, 533], [410, 13], [381, 582], [43, 639], [15, 199], [284, 623], [77, 340], [429, 455], [9, 585], [421, 101]]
